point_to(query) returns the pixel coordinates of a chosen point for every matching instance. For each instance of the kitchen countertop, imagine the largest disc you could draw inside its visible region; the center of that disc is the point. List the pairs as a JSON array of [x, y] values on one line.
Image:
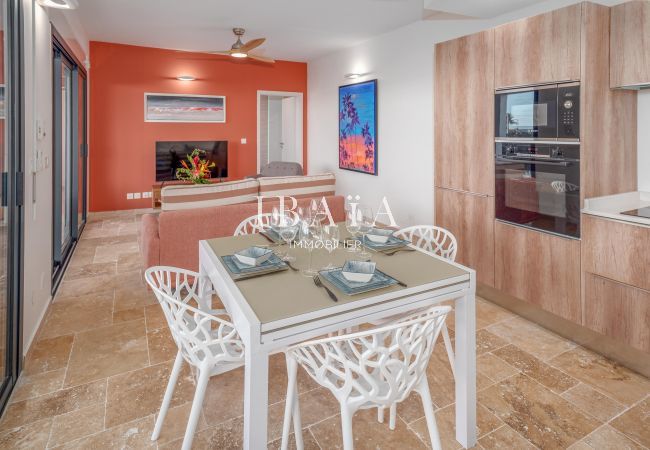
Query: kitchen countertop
[[612, 206]]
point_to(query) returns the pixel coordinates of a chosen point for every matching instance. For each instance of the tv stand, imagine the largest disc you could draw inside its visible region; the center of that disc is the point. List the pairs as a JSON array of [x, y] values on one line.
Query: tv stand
[[156, 201]]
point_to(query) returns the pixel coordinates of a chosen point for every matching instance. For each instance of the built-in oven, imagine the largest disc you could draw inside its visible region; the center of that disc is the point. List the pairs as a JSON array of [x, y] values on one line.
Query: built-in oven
[[547, 112], [538, 186]]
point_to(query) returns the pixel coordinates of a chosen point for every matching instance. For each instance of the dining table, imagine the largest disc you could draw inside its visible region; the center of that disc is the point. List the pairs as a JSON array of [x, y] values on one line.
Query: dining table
[[281, 309]]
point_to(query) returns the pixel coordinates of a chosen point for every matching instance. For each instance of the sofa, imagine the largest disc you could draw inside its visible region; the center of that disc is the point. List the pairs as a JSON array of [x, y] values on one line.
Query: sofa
[[171, 237]]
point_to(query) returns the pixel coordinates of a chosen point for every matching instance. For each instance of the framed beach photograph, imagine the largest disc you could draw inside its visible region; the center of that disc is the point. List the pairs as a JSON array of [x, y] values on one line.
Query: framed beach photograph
[[358, 127], [184, 108]]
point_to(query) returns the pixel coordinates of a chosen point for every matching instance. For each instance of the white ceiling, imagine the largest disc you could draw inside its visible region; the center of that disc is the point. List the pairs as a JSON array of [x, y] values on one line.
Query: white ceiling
[[297, 30], [473, 9]]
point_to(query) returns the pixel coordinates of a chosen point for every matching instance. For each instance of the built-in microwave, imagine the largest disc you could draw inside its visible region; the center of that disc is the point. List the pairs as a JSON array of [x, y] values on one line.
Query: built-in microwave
[[547, 113]]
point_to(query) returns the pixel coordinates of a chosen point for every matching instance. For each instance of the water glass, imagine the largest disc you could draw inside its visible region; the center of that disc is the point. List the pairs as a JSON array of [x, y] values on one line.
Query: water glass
[[331, 235], [309, 235]]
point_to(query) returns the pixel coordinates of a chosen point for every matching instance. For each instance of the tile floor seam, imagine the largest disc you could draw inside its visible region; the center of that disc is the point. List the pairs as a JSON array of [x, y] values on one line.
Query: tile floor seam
[[417, 435], [604, 394], [105, 404], [558, 395], [633, 405], [615, 429], [104, 430], [505, 362], [625, 407], [313, 436], [549, 365]]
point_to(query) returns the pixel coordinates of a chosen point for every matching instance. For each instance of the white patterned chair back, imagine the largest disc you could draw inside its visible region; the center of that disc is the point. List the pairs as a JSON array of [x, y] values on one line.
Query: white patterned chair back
[[561, 187], [432, 239], [203, 338], [254, 224], [377, 367]]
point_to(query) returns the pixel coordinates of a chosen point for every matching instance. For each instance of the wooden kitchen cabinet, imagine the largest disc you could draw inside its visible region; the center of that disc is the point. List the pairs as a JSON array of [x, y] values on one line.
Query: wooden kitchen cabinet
[[618, 311], [539, 268], [539, 49], [616, 250], [630, 44], [470, 217], [464, 113]]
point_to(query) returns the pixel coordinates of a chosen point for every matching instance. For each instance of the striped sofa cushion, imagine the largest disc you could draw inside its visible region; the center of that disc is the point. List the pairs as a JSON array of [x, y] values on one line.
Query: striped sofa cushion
[[298, 186], [174, 198]]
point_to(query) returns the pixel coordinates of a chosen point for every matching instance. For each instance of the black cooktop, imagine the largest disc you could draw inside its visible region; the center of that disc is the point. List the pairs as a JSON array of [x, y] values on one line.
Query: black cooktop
[[641, 212]]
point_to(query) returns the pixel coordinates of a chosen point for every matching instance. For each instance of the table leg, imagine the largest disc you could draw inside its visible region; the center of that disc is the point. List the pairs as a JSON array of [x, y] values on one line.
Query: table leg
[[256, 399], [465, 312]]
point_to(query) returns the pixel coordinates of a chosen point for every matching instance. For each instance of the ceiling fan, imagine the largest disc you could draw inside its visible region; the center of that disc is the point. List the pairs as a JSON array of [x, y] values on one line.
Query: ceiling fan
[[241, 50]]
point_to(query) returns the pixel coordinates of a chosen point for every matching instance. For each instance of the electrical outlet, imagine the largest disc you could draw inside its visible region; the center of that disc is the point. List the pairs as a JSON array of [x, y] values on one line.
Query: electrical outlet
[[129, 196], [136, 195], [243, 140]]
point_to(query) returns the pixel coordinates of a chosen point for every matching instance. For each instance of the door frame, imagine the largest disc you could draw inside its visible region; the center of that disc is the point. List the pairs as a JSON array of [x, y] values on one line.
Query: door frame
[[65, 53], [14, 197], [300, 122]]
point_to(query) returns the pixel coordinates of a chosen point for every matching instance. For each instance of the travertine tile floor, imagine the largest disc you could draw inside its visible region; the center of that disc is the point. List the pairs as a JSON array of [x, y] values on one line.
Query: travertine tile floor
[[99, 366]]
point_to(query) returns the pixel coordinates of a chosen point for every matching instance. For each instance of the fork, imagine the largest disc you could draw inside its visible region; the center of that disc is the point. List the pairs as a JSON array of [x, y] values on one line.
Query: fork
[[319, 283]]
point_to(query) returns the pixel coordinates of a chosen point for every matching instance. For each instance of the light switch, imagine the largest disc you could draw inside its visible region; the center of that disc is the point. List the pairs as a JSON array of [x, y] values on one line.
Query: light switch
[[243, 140]]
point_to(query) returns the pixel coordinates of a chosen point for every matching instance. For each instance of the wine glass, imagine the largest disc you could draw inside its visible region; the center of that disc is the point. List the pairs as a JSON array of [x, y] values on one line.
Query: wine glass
[[316, 213], [331, 235], [288, 234], [366, 221], [352, 225], [309, 235]]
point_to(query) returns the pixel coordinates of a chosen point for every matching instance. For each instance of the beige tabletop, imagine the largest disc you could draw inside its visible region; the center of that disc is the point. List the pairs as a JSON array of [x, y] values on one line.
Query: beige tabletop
[[287, 294]]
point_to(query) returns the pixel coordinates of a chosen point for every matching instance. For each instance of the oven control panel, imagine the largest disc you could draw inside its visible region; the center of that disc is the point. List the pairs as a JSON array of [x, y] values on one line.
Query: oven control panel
[[569, 112]]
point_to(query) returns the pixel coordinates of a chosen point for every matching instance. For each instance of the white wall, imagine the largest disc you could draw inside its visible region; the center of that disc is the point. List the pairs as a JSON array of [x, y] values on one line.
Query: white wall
[[38, 158], [644, 140], [402, 62]]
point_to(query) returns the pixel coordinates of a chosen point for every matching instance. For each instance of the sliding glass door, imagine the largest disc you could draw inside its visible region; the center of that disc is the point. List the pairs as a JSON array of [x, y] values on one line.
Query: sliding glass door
[[11, 188], [70, 155]]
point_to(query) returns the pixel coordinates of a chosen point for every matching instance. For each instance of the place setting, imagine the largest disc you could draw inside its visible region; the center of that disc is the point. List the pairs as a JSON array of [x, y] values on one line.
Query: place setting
[[360, 224]]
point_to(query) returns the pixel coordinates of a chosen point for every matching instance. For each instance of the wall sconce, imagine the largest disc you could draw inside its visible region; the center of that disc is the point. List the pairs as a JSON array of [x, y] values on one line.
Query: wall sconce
[[354, 76], [186, 78]]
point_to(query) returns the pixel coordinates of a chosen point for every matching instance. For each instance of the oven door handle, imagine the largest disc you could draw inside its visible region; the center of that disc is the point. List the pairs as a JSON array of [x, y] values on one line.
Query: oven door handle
[[536, 161]]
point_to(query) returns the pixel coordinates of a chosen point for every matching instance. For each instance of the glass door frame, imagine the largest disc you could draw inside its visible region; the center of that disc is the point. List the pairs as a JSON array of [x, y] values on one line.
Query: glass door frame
[[62, 54], [14, 194]]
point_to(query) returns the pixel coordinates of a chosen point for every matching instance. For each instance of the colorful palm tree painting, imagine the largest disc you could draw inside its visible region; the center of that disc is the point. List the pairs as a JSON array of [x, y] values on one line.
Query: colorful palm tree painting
[[358, 127]]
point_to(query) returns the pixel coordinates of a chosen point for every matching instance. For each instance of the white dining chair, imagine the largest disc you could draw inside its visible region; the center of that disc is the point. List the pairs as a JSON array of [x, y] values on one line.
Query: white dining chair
[[206, 339], [376, 368], [254, 224], [443, 243]]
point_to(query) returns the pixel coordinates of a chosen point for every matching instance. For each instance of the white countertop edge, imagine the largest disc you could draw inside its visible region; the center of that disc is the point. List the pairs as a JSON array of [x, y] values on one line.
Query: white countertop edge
[[611, 206]]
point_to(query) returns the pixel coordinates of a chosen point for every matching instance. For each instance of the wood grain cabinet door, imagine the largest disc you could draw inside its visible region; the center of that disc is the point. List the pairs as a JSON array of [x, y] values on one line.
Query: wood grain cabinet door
[[539, 268], [630, 44], [464, 113], [470, 217], [618, 311], [539, 49], [616, 250]]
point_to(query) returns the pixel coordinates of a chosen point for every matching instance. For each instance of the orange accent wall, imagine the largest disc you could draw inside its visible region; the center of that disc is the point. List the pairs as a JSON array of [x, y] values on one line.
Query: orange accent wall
[[122, 144]]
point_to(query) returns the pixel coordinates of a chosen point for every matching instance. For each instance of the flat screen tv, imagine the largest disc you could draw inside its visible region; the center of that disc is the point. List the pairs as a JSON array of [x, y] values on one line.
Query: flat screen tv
[[169, 155]]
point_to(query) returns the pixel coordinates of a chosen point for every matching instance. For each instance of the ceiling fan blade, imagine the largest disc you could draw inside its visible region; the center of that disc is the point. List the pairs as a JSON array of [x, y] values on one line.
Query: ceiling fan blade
[[250, 45], [261, 58], [224, 52]]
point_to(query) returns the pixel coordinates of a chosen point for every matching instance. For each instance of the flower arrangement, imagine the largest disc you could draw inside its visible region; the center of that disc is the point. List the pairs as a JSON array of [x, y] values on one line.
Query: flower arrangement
[[195, 169]]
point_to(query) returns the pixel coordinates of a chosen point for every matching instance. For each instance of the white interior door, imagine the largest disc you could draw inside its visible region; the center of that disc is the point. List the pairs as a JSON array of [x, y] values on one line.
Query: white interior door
[[280, 126], [275, 129], [288, 144]]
